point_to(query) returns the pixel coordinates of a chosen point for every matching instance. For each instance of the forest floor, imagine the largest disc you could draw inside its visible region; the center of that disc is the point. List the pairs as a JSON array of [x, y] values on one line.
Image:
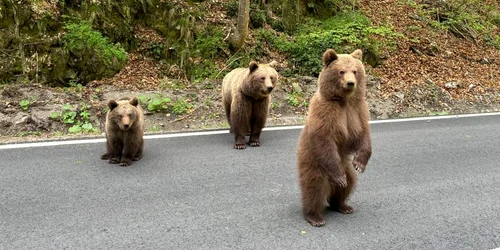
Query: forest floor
[[429, 73]]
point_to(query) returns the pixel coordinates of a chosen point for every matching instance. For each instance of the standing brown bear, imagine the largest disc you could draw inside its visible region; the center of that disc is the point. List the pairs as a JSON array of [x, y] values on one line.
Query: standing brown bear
[[336, 128], [124, 131], [246, 98]]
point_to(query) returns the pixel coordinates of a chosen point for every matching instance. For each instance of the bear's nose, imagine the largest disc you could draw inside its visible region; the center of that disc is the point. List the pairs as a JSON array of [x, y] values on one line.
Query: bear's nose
[[350, 84], [270, 88], [126, 126]]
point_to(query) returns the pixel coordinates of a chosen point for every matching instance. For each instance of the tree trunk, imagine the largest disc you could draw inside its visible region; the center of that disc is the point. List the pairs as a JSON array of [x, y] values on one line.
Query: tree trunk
[[237, 39], [20, 47]]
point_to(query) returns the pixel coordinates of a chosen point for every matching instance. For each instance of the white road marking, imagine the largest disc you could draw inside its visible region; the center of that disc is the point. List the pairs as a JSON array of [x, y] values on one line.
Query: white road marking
[[224, 131]]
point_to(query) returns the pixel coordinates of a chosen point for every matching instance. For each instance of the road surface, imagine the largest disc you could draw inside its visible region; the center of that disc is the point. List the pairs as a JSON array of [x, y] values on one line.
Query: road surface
[[431, 184]]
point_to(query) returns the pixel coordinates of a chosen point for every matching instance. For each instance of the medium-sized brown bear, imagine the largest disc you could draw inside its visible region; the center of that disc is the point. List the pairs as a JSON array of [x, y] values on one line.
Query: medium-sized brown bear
[[124, 131], [335, 140], [246, 98]]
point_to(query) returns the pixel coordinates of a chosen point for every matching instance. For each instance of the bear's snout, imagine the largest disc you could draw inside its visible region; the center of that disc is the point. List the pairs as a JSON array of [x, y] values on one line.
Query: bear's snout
[[270, 88], [351, 84]]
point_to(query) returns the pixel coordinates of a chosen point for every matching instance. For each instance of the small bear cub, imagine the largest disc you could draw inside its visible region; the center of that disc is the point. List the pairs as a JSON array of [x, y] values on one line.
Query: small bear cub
[[124, 131]]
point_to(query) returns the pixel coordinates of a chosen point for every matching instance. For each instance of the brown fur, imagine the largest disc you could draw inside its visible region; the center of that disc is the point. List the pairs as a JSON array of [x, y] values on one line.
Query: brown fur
[[124, 132], [246, 98], [336, 128]]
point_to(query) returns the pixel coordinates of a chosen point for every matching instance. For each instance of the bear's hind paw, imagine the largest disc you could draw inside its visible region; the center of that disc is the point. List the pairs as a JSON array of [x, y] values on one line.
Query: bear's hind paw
[[315, 220], [344, 208]]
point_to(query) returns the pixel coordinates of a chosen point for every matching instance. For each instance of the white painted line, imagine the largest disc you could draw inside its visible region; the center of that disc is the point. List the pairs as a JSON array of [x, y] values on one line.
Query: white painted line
[[428, 118], [51, 143], [225, 131]]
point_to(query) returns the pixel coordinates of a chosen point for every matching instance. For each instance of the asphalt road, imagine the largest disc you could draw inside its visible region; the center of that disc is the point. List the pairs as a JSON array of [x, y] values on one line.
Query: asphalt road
[[431, 184]]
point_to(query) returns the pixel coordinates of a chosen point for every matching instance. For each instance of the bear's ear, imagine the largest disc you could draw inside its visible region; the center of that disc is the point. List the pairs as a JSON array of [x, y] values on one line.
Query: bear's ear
[[273, 64], [329, 56], [358, 54], [112, 104], [134, 101], [253, 66]]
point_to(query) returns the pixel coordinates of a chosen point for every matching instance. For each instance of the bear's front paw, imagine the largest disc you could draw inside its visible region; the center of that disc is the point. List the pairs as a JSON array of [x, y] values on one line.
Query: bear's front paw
[[125, 163], [105, 156], [341, 181], [359, 162], [114, 160], [254, 144], [239, 146], [359, 168]]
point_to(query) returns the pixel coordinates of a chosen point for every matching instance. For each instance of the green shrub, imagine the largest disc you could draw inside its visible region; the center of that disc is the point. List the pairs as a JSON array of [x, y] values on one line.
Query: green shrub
[[231, 8], [89, 55], [344, 33], [257, 16], [81, 37], [208, 43], [77, 117], [181, 107], [296, 99], [158, 103], [156, 51]]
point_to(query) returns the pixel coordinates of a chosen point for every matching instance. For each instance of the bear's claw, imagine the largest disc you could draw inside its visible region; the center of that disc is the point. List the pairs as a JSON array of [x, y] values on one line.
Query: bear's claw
[[315, 220]]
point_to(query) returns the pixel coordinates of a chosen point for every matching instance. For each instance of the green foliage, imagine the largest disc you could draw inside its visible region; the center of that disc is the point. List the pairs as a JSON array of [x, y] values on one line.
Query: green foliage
[[74, 87], [143, 99], [275, 105], [181, 107], [208, 43], [80, 37], [327, 8], [496, 42], [231, 8], [472, 19], [207, 47], [204, 69], [158, 103], [29, 133], [156, 51], [257, 16], [25, 104], [296, 99], [344, 33], [77, 117]]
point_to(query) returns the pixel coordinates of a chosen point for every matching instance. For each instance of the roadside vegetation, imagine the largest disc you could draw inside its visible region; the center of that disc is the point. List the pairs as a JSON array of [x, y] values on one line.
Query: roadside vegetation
[[181, 50]]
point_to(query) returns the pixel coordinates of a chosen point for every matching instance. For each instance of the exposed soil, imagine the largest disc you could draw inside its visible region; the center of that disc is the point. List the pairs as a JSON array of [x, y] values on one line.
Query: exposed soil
[[460, 76]]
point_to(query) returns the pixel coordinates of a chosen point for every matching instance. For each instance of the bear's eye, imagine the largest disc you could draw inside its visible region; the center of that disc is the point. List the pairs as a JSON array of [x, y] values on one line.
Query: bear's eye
[[341, 73], [354, 72], [263, 78]]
